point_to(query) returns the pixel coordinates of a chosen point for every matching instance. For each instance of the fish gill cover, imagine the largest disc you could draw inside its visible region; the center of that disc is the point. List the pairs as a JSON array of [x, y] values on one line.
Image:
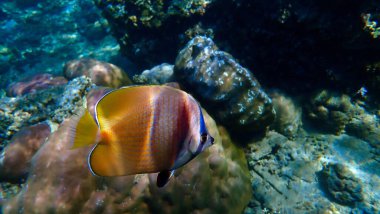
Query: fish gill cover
[[289, 90]]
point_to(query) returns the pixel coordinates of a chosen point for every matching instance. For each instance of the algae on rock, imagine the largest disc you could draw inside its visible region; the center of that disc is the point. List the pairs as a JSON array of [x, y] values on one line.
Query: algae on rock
[[229, 91]]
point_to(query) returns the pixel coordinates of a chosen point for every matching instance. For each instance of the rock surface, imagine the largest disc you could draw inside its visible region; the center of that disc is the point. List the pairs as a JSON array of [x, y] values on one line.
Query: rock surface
[[54, 103], [295, 45], [285, 174], [35, 83], [17, 156], [288, 115], [147, 31], [222, 85], [60, 182], [337, 113], [341, 184], [157, 75], [100, 73]]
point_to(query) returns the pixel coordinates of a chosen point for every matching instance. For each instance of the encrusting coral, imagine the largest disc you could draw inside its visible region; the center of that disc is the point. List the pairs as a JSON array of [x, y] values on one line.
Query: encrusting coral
[[222, 85], [37, 82], [100, 73], [16, 157]]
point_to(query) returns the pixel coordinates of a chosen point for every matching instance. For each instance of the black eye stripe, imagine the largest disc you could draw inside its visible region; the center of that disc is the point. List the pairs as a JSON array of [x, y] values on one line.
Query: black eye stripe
[[203, 138]]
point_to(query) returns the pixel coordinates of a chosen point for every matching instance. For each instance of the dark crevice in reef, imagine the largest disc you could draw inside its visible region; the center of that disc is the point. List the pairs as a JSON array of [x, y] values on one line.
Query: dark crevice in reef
[[292, 45]]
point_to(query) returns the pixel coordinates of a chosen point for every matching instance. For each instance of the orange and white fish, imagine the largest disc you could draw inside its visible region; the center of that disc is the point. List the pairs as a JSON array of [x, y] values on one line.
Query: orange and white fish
[[142, 129]]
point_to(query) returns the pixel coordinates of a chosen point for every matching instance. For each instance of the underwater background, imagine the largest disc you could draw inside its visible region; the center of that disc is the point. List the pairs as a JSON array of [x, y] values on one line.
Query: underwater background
[[290, 91]]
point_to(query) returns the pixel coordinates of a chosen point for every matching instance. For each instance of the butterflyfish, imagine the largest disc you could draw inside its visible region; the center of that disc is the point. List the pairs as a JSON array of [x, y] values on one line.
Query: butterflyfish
[[142, 129]]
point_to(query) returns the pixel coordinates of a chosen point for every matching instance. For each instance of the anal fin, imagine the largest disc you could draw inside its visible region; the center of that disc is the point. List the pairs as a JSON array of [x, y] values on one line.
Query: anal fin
[[163, 177]]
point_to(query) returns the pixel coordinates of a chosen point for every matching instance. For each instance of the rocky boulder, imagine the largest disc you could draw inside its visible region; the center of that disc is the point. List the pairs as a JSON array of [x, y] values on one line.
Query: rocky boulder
[[17, 156], [223, 86], [33, 84], [100, 73]]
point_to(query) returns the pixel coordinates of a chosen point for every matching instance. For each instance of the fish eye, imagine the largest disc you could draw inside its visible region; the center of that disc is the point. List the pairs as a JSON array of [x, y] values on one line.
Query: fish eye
[[203, 138]]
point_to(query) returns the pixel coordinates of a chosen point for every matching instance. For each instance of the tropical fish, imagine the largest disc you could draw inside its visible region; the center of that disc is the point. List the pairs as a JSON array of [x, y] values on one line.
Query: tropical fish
[[142, 129]]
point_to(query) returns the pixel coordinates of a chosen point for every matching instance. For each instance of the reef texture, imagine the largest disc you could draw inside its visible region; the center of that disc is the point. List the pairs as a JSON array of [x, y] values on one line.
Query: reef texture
[[217, 181], [338, 113], [72, 98], [54, 103], [142, 28], [17, 156], [313, 174], [38, 36], [224, 87], [294, 44], [342, 185], [37, 82], [157, 75], [100, 73], [288, 120]]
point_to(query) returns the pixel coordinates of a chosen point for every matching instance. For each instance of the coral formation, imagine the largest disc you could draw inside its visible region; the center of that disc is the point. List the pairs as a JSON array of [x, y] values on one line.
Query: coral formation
[[157, 75], [296, 45], [54, 103], [288, 115], [216, 181], [330, 112], [71, 99], [341, 184], [286, 174], [17, 156], [145, 28], [371, 25], [323, 159], [100, 73], [338, 113], [26, 110], [37, 82], [223, 86]]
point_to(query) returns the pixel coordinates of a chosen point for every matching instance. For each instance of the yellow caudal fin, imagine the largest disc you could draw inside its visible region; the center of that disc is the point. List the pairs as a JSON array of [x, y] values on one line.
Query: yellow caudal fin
[[83, 130]]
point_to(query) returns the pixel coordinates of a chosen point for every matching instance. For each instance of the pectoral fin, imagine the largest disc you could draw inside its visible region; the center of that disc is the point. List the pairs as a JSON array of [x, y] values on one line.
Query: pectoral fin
[[163, 177]]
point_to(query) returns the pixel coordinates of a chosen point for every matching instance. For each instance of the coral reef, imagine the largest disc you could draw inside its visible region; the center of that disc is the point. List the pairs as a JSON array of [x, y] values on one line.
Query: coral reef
[[145, 28], [26, 110], [296, 45], [221, 84], [157, 75], [319, 149], [337, 113], [71, 99], [330, 112], [286, 174], [216, 181], [54, 103], [341, 184], [288, 115], [100, 73], [37, 82], [17, 156], [371, 25]]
